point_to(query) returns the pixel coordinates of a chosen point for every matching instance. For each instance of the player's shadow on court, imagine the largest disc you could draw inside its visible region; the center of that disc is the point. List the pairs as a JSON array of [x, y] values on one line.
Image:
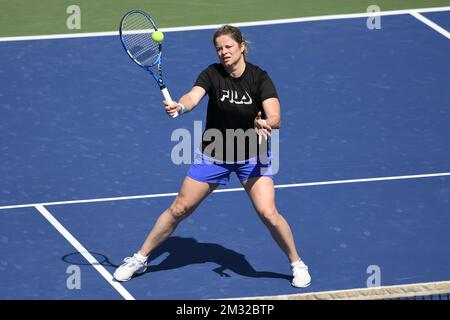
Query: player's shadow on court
[[186, 251]]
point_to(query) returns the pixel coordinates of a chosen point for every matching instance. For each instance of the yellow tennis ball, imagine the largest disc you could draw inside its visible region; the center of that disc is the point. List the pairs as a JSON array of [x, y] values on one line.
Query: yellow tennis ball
[[157, 36]]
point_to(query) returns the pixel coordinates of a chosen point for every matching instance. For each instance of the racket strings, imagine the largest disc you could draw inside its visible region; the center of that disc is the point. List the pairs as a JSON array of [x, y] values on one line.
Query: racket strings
[[136, 34]]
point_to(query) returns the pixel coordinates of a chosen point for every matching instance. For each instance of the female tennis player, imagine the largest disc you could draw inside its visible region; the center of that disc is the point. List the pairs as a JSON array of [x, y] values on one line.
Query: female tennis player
[[242, 98]]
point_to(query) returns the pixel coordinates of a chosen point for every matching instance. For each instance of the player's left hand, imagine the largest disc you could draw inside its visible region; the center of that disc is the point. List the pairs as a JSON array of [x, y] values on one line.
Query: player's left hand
[[262, 128]]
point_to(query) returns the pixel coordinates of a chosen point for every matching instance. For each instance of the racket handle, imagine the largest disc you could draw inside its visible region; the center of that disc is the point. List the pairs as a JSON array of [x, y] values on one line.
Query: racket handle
[[167, 97]]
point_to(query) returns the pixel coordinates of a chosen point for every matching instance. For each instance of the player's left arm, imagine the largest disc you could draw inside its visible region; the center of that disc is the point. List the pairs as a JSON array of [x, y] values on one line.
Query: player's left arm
[[271, 107], [263, 127]]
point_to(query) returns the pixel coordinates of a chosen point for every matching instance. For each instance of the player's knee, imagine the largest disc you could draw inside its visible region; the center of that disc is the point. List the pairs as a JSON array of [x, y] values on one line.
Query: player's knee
[[179, 210], [270, 216]]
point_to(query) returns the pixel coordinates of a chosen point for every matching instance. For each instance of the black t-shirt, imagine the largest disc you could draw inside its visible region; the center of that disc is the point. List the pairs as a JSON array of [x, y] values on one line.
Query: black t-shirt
[[233, 105]]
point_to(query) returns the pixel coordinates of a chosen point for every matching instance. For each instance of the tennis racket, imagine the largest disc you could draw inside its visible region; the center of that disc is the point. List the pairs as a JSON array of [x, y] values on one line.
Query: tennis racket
[[136, 28]]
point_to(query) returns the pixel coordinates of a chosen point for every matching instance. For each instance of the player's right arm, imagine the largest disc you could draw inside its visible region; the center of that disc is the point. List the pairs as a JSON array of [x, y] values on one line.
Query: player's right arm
[[190, 100]]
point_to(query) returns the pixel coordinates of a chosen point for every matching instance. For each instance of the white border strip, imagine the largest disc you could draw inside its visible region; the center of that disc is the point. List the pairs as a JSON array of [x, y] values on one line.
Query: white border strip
[[80, 248], [375, 293], [238, 24], [431, 24], [280, 186]]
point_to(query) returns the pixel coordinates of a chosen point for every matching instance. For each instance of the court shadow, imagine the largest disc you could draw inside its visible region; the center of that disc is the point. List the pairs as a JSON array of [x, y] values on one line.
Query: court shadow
[[77, 258], [186, 251]]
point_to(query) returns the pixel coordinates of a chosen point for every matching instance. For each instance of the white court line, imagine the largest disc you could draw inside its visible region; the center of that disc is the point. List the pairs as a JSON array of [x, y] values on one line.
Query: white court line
[[417, 176], [431, 24], [238, 24], [145, 196], [80, 248], [280, 186]]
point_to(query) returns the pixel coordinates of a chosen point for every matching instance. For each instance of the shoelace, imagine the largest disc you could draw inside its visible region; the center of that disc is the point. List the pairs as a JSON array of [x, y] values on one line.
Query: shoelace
[[129, 259], [132, 259], [299, 268]]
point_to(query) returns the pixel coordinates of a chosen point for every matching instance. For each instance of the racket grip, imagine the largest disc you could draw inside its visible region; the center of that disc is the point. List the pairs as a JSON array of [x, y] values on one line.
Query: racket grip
[[168, 98]]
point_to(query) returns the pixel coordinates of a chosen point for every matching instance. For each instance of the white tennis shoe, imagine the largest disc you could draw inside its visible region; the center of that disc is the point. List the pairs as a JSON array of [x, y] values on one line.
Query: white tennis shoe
[[131, 266], [301, 278]]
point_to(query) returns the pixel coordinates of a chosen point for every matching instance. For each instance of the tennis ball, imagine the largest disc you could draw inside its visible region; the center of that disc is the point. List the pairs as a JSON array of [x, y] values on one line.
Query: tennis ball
[[157, 36]]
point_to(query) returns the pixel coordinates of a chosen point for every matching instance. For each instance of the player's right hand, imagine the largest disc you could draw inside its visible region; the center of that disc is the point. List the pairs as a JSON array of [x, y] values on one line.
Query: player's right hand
[[172, 109]]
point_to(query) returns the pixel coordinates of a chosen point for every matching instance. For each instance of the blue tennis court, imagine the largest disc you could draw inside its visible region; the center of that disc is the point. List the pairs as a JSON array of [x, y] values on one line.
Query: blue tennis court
[[364, 170]]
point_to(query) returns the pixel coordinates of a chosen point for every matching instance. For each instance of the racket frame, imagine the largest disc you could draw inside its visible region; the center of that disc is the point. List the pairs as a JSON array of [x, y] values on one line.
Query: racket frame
[[157, 61]]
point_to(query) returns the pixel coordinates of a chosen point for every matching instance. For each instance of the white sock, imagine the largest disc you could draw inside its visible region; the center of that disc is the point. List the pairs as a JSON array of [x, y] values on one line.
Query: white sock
[[298, 263], [140, 257]]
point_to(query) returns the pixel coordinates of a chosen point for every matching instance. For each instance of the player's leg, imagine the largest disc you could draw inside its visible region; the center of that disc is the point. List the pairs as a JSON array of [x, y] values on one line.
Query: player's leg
[[262, 194], [261, 191], [191, 194]]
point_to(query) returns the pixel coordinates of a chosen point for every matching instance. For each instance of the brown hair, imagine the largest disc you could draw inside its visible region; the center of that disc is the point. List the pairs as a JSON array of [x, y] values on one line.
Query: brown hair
[[235, 33]]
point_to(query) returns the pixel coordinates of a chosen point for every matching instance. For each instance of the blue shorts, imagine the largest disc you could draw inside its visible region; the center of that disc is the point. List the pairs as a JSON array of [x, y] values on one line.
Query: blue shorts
[[208, 170]]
